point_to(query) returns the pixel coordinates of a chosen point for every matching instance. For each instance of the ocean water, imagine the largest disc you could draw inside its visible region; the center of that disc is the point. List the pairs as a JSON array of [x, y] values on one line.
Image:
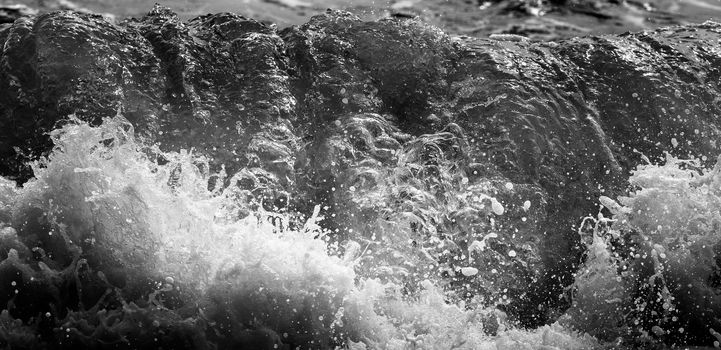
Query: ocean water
[[117, 244]]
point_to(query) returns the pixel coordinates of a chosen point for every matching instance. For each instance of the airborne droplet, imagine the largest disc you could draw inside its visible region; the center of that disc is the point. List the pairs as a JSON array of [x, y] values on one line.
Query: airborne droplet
[[497, 207], [526, 205], [469, 271]]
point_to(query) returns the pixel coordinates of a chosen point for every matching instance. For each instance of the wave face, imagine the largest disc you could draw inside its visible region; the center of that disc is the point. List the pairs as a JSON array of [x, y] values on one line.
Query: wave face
[[349, 183]]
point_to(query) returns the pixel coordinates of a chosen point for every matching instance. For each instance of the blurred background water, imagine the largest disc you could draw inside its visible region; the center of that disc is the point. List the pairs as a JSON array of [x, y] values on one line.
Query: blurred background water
[[536, 19]]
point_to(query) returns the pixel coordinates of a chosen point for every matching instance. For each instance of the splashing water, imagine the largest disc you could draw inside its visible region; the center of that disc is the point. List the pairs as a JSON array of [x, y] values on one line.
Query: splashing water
[[171, 255], [652, 271]]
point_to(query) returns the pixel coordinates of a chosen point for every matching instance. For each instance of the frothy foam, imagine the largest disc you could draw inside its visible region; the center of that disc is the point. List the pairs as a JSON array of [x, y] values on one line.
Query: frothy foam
[[107, 197]]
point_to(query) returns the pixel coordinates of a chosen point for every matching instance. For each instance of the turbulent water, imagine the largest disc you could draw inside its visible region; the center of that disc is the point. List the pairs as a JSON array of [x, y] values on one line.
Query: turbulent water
[[662, 240], [350, 184], [199, 272]]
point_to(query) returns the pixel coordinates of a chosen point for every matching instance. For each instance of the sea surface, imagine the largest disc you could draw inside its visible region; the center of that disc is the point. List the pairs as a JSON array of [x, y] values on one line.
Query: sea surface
[[540, 20], [101, 182]]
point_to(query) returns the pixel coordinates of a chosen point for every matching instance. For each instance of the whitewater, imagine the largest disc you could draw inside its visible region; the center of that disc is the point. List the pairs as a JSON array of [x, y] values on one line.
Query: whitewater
[[102, 201]]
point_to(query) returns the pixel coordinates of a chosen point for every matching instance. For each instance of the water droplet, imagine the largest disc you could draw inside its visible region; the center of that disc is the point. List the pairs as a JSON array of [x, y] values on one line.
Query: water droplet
[[497, 207], [526, 205], [512, 253], [509, 186], [658, 330], [469, 271], [674, 142]]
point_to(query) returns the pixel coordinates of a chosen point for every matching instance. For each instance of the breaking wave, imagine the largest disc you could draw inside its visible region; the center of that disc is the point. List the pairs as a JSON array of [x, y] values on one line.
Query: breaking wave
[[118, 244]]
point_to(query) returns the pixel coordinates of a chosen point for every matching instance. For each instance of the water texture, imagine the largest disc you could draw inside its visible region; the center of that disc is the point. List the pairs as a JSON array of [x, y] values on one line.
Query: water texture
[[354, 184]]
